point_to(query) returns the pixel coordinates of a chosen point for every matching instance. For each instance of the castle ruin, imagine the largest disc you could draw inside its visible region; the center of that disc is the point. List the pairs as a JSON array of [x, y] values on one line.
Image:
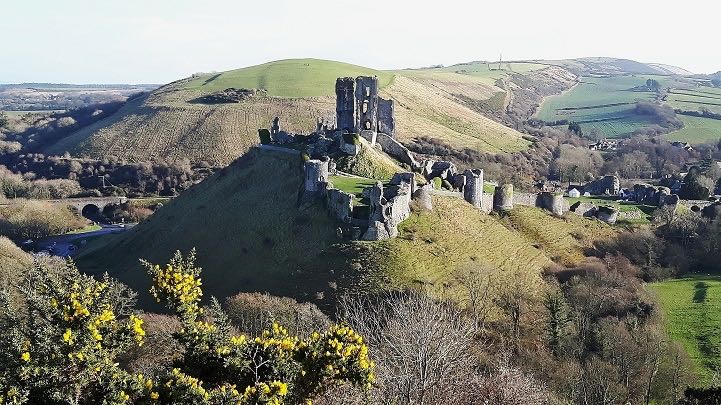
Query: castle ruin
[[360, 110], [361, 113]]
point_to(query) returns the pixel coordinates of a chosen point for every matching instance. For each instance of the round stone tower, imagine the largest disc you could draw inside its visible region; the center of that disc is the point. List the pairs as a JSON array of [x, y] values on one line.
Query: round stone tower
[[503, 198], [316, 174]]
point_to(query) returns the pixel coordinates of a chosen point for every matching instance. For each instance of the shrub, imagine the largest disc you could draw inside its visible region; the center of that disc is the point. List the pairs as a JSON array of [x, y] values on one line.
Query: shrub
[[64, 348], [253, 312], [35, 220], [264, 135]]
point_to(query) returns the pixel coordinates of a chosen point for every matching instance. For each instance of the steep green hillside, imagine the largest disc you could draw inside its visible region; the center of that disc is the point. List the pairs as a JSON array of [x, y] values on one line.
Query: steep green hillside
[[250, 236], [172, 123]]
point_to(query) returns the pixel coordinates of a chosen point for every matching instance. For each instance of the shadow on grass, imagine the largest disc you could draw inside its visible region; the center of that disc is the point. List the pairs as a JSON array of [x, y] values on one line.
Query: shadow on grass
[[211, 78], [700, 291]]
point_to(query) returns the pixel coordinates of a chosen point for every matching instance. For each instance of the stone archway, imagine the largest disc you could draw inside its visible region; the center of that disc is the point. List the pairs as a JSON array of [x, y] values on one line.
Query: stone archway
[[91, 212]]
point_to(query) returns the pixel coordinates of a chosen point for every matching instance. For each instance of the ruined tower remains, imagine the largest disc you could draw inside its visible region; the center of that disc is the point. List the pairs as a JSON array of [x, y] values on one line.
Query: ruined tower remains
[[359, 109], [366, 94], [345, 104], [503, 198], [553, 202], [473, 190], [386, 117], [316, 175]]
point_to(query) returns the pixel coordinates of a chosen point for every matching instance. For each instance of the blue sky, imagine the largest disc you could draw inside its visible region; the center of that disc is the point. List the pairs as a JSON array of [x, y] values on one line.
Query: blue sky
[[157, 41]]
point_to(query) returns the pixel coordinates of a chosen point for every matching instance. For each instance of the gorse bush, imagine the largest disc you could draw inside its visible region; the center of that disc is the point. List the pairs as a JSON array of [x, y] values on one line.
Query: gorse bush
[[63, 346]]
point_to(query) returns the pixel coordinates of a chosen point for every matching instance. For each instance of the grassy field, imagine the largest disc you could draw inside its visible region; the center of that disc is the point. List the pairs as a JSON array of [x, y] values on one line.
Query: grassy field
[[251, 236], [696, 130], [692, 308], [352, 185], [601, 103], [168, 124], [696, 98], [622, 206]]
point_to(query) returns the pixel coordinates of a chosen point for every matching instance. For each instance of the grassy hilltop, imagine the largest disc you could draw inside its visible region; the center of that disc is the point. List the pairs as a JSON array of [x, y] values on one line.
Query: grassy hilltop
[[170, 122], [250, 236]]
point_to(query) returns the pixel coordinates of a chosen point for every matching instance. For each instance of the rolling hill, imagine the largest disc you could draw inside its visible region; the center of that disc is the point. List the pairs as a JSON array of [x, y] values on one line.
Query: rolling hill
[[250, 235], [171, 122]]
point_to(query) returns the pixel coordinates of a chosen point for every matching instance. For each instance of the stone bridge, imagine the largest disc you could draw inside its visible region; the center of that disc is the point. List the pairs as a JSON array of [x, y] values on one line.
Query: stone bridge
[[84, 205]]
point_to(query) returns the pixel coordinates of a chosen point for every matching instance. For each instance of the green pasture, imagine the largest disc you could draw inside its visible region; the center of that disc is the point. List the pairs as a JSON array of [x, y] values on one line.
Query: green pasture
[[692, 310]]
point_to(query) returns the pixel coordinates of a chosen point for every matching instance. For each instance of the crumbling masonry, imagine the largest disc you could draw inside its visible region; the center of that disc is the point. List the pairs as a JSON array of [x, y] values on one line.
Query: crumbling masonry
[[360, 112]]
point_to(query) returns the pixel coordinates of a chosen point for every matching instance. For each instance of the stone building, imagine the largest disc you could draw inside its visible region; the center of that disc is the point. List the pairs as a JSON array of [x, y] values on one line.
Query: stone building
[[345, 103], [360, 110]]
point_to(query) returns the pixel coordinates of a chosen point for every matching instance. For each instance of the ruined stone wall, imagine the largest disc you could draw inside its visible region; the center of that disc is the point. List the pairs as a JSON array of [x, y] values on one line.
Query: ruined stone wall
[[605, 185], [366, 97], [528, 199], [386, 117], [396, 149], [340, 205], [552, 202], [487, 203], [549, 201], [387, 210], [503, 198], [345, 104]]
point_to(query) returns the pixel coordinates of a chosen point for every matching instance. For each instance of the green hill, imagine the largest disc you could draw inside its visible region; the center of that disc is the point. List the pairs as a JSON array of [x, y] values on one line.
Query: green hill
[[251, 236], [286, 78], [171, 123]]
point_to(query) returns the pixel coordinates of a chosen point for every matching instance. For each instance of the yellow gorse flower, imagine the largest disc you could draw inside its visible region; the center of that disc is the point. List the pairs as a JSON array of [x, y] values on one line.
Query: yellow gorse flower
[[135, 324]]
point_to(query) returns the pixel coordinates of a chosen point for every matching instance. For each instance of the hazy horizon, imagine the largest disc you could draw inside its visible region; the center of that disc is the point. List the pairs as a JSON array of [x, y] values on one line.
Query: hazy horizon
[[82, 41]]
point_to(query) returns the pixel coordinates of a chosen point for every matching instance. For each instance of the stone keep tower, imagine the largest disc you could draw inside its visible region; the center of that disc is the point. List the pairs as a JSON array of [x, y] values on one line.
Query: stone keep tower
[[366, 95], [473, 191], [345, 104]]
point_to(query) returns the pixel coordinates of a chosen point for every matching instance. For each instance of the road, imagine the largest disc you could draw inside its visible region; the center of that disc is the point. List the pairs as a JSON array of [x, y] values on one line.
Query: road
[[70, 244]]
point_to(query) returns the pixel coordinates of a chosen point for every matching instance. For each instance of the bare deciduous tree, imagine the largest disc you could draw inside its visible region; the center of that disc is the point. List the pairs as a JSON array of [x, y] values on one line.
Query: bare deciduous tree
[[422, 346]]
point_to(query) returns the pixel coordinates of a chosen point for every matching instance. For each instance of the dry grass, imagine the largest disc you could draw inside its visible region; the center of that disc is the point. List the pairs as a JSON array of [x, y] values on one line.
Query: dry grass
[[423, 111], [562, 239], [12, 260], [434, 248]]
